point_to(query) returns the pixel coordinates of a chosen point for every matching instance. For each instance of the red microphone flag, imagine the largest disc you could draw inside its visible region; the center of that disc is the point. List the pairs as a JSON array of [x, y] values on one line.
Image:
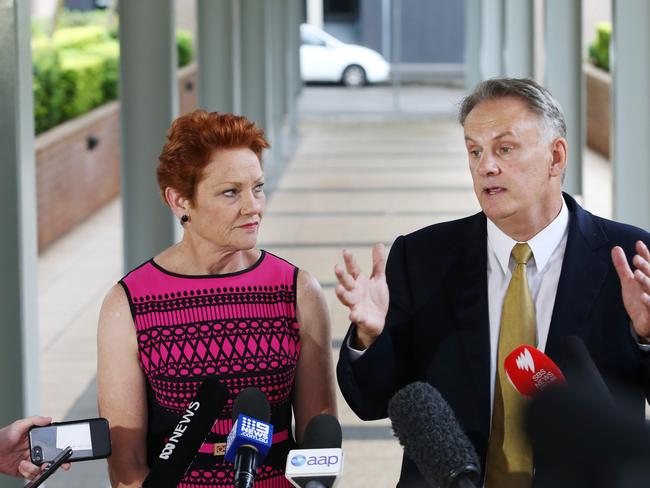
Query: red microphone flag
[[529, 370]]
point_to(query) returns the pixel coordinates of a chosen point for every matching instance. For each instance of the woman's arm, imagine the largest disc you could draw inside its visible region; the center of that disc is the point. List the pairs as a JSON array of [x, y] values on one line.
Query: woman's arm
[[314, 391], [121, 391]]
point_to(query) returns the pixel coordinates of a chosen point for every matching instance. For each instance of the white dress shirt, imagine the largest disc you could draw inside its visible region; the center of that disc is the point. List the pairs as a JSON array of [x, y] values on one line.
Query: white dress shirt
[[543, 273]]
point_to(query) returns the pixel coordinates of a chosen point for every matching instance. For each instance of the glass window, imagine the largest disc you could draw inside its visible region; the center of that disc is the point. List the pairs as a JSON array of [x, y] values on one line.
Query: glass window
[[309, 39]]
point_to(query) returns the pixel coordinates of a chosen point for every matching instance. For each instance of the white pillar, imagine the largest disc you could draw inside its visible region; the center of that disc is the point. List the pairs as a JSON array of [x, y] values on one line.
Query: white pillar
[[19, 358], [472, 43], [292, 65], [564, 79], [149, 103], [315, 12], [216, 39], [518, 53], [630, 127], [491, 14]]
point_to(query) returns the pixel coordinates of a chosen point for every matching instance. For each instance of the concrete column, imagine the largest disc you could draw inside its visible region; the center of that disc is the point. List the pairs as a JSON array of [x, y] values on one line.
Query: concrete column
[[215, 55], [315, 12], [292, 65], [564, 78], [256, 55], [491, 14], [149, 103], [19, 365], [518, 39], [472, 43], [276, 18], [630, 127]]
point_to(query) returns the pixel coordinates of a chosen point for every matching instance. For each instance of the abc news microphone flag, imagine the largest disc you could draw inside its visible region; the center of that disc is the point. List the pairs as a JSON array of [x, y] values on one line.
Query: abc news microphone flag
[[188, 435]]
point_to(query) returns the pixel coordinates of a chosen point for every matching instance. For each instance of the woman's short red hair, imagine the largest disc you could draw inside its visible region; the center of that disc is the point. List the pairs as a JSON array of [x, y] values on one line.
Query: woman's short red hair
[[193, 139]]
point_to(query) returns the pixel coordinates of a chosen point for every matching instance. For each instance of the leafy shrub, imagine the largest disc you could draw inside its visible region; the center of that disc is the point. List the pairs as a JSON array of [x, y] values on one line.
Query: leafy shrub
[[184, 46], [78, 69], [599, 49], [82, 79], [110, 53], [79, 37], [49, 95]]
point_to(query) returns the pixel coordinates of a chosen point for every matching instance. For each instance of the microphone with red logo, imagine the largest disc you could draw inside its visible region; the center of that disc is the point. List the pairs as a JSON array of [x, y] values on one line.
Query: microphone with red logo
[[530, 371], [579, 437]]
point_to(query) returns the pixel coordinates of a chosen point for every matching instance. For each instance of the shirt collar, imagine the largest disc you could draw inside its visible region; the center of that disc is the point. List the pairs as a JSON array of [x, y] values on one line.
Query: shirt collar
[[542, 244]]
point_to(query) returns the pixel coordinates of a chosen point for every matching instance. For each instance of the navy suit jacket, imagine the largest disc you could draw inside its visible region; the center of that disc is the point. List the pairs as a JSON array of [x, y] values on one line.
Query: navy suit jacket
[[437, 327]]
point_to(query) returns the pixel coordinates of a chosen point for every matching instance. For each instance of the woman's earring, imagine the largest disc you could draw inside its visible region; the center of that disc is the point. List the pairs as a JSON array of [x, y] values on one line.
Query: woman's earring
[[185, 218]]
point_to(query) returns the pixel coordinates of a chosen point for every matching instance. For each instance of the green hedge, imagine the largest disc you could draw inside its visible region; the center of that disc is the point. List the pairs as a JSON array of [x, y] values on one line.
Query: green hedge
[[78, 70], [49, 96], [599, 49], [184, 46], [110, 53]]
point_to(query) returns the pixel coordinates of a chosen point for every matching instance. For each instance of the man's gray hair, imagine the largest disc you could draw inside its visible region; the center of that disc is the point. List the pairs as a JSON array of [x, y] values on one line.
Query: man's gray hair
[[537, 98]]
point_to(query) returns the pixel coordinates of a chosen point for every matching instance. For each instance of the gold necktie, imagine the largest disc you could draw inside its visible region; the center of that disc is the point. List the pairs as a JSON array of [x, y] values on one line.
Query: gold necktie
[[510, 457]]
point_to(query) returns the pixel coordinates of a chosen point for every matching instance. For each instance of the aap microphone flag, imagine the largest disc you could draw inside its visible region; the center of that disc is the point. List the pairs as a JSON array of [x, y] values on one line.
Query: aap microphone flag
[[530, 371]]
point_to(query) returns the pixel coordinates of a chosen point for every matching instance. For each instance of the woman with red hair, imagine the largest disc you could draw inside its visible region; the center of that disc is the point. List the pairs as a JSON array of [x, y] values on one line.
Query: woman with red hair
[[211, 306]]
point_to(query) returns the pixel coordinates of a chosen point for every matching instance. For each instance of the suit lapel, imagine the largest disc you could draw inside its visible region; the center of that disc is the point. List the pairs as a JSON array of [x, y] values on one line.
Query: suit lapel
[[584, 271], [470, 305]]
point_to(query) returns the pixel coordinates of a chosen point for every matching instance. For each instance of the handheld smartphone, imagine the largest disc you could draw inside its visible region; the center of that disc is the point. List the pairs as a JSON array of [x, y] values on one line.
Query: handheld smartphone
[[88, 438], [51, 468]]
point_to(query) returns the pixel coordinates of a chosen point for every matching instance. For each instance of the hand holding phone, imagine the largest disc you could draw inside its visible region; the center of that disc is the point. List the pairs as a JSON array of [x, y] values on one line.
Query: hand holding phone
[[51, 468], [14, 447], [88, 439]]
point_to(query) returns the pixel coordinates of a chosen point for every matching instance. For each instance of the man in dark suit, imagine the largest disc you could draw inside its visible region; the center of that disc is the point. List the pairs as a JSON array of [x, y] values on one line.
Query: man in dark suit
[[442, 311]]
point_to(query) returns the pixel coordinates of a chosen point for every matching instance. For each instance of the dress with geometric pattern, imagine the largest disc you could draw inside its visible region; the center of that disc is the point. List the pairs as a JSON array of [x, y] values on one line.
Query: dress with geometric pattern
[[239, 328]]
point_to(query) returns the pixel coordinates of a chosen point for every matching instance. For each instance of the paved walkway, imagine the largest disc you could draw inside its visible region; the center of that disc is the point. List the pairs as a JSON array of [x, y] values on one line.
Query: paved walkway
[[354, 180]]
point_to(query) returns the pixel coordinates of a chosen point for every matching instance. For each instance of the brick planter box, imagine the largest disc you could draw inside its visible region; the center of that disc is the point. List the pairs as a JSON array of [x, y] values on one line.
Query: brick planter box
[[78, 163], [598, 84]]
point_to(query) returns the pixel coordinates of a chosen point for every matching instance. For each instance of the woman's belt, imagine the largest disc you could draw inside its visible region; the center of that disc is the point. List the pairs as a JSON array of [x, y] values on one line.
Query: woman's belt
[[219, 448]]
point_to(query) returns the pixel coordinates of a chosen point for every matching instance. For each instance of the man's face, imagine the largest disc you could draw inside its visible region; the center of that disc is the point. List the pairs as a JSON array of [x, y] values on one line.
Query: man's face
[[516, 167]]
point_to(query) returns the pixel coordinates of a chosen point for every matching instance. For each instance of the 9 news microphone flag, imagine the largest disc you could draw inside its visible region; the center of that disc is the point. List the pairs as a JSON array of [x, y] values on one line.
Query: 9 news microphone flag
[[251, 436], [185, 440]]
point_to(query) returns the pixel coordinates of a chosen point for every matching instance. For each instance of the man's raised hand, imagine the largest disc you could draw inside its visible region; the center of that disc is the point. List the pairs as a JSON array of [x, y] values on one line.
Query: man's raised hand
[[635, 287], [366, 297]]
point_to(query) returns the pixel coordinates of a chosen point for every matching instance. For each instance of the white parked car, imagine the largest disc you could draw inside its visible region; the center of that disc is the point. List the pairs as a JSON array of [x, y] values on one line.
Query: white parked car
[[324, 58]]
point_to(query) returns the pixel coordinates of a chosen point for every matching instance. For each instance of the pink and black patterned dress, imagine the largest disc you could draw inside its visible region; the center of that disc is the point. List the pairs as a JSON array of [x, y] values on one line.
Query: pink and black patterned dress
[[240, 328]]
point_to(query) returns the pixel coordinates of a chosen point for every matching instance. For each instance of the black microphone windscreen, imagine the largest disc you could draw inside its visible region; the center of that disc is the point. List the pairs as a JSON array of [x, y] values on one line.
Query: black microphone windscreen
[[322, 432], [581, 371], [188, 435], [426, 426], [253, 403], [568, 428]]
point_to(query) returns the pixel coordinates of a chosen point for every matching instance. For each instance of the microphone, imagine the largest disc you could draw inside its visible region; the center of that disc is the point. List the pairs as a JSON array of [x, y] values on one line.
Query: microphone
[[428, 430], [185, 440], [251, 436], [530, 371], [580, 437], [320, 461], [581, 371], [581, 440]]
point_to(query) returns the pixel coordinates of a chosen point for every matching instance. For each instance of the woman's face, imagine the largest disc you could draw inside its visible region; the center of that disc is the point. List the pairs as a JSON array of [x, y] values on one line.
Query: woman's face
[[229, 200]]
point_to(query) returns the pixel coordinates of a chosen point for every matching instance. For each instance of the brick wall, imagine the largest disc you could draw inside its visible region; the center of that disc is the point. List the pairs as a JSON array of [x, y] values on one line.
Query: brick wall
[[78, 163], [597, 83], [187, 89]]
